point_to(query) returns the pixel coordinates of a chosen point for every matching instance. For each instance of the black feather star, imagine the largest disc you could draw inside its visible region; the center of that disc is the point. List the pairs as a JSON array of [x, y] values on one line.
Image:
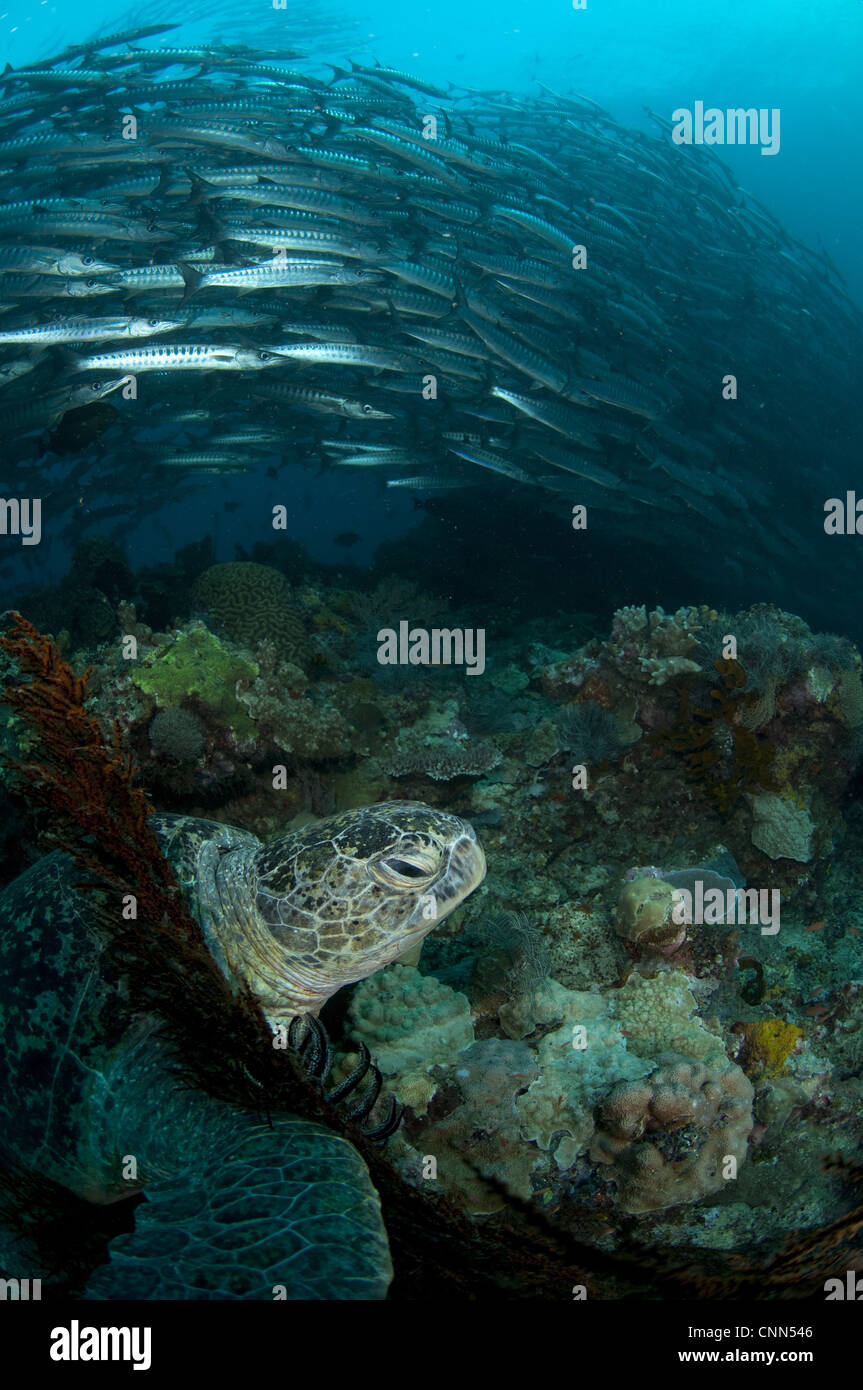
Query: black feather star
[[308, 1038]]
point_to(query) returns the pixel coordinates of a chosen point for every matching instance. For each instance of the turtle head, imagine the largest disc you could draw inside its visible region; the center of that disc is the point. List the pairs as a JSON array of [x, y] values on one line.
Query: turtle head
[[338, 900]]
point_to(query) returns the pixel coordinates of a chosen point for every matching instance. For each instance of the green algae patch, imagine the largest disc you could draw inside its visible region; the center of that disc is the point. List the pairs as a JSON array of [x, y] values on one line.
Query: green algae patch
[[198, 664]]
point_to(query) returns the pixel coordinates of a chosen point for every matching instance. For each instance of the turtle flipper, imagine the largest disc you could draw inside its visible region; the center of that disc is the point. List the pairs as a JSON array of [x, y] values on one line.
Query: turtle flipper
[[286, 1211], [236, 1207]]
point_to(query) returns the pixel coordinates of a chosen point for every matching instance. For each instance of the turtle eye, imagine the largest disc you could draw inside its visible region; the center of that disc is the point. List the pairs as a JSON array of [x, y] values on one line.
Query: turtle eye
[[414, 865], [407, 870]]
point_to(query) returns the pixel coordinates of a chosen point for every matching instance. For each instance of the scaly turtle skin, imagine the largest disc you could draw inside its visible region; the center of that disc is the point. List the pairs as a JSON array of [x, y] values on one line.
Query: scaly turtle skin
[[235, 1208]]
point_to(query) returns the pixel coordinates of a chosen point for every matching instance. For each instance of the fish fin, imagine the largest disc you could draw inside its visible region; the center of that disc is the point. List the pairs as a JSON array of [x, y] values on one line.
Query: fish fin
[[66, 358], [201, 188], [191, 279]]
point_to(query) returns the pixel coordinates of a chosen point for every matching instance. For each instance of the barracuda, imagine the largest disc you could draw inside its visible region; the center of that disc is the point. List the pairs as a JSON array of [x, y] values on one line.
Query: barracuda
[[347, 223], [326, 403], [297, 197], [182, 358], [292, 238], [563, 421], [484, 458], [428, 483], [87, 330], [272, 274], [47, 260], [348, 355]]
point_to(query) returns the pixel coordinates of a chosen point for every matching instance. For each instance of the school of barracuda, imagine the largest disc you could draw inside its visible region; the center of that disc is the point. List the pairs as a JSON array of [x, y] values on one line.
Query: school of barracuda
[[383, 275]]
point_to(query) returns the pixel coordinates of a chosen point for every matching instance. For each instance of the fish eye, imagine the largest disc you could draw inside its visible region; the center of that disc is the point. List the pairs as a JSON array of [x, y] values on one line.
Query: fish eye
[[87, 260], [367, 409], [152, 323]]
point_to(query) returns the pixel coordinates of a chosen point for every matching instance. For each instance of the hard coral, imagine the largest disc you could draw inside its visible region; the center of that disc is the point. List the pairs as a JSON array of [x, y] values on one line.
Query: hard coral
[[410, 1021], [781, 829], [667, 1137], [649, 914], [252, 603]]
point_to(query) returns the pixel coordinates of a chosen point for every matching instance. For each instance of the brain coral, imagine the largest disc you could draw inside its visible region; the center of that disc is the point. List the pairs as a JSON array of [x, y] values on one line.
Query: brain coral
[[253, 603], [666, 1137]]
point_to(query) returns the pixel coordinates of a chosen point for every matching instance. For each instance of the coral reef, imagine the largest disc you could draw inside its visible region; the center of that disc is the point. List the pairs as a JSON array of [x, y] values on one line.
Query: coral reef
[[753, 741], [725, 741]]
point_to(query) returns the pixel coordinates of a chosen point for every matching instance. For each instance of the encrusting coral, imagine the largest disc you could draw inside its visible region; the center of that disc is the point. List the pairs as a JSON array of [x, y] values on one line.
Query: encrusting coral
[[410, 1021]]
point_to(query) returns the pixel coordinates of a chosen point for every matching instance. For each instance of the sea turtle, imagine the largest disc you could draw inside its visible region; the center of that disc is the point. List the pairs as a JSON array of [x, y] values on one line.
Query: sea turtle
[[235, 1207]]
